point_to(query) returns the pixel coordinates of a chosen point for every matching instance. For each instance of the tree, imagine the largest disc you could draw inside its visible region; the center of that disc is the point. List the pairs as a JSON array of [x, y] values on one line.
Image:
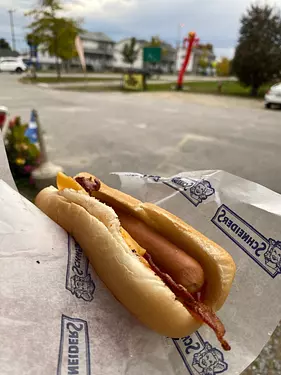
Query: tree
[[207, 46], [130, 52], [4, 44], [154, 42], [257, 57], [204, 60], [223, 67], [54, 34]]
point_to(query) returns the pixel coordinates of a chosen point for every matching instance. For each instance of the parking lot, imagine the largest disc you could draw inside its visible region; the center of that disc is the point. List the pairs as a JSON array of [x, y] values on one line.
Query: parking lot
[[162, 133]]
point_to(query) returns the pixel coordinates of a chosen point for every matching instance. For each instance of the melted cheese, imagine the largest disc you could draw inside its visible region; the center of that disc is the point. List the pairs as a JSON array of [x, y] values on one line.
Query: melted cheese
[[66, 182], [133, 245]]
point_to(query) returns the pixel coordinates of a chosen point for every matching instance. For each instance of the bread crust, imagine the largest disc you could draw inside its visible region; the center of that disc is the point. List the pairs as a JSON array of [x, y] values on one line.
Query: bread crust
[[95, 226], [219, 267]]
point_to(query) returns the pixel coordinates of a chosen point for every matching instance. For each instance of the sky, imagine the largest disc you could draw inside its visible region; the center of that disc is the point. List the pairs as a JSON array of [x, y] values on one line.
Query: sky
[[215, 21]]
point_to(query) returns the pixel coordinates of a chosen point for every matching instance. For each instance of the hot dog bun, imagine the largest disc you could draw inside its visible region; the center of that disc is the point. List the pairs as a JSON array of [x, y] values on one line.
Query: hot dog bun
[[96, 227], [219, 267]]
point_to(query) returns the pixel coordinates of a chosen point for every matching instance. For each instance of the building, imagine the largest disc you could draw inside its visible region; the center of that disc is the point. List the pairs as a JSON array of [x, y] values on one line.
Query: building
[[118, 62], [181, 53], [44, 60], [98, 51], [193, 65], [167, 60]]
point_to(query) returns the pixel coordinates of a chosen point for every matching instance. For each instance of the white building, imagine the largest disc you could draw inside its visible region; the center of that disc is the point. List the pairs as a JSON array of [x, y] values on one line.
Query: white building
[[44, 60], [167, 60], [181, 53], [98, 50], [193, 65]]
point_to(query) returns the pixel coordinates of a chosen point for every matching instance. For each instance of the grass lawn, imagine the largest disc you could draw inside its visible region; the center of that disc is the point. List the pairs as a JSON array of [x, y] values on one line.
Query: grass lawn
[[228, 88], [91, 88], [203, 87], [67, 79]]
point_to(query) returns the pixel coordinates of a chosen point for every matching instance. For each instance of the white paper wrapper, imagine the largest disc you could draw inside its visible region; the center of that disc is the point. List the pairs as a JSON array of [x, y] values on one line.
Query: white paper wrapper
[[56, 317], [5, 173]]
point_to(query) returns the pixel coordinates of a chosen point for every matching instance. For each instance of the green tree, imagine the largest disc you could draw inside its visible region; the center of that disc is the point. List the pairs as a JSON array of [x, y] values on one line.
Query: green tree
[[207, 46], [4, 44], [53, 33], [257, 57], [130, 52], [154, 42], [204, 60], [223, 67]]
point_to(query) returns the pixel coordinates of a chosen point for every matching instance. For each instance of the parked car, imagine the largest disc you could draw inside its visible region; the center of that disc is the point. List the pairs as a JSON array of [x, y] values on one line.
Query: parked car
[[273, 96], [12, 64]]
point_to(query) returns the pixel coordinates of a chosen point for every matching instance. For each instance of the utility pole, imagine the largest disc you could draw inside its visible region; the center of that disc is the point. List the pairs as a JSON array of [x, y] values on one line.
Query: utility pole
[[12, 29], [178, 47]]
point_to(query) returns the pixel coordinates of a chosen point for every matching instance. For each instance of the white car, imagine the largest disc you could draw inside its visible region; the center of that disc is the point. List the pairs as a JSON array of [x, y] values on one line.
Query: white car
[[273, 96], [12, 64]]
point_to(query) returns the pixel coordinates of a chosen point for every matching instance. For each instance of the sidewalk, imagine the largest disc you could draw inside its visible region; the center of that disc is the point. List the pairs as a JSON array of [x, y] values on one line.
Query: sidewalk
[[93, 83], [162, 78]]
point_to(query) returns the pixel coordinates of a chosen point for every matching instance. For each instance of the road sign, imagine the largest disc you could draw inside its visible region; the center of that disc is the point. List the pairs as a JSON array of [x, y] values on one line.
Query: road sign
[[152, 54], [133, 82]]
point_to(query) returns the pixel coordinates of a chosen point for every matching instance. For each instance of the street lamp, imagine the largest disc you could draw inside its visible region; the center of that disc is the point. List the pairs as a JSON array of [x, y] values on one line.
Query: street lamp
[[11, 11]]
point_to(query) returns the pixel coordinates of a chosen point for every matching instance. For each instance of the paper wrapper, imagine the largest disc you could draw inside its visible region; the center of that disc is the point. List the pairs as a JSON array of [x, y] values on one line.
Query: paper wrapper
[[58, 318], [5, 173]]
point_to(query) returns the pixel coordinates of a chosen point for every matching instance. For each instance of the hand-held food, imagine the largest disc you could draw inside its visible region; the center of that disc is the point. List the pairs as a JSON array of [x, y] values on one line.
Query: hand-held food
[[170, 276]]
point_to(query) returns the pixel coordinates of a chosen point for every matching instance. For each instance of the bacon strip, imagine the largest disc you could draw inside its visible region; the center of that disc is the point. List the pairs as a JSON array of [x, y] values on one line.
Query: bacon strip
[[89, 184], [197, 309]]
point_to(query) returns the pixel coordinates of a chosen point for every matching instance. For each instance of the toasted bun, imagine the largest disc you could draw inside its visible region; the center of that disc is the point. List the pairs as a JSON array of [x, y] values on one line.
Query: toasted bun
[[96, 227], [219, 267]]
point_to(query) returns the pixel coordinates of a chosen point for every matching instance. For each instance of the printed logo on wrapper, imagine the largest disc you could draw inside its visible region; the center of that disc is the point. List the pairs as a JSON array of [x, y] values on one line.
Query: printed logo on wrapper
[[199, 356], [78, 279], [266, 252], [74, 353], [196, 191]]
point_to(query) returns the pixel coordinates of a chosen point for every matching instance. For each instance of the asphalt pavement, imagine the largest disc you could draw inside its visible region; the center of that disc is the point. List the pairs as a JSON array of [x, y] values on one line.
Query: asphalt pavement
[[152, 133], [157, 133]]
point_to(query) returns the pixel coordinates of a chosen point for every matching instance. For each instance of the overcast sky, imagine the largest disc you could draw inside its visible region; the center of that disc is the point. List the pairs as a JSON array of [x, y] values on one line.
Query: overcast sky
[[215, 21]]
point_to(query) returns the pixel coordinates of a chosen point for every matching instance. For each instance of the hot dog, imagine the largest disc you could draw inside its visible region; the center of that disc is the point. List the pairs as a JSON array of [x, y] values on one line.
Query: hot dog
[[183, 269], [171, 277]]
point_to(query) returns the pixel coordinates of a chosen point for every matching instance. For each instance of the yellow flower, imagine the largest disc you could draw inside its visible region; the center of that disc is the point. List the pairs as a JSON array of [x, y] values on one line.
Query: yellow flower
[[20, 161], [24, 147]]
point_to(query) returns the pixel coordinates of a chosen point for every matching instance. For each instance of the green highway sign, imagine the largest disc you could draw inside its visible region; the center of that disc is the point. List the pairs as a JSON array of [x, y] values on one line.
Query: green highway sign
[[152, 54]]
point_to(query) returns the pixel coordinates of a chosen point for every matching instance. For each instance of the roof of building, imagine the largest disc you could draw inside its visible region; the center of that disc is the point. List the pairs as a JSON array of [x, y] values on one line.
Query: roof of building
[[140, 41], [96, 36], [8, 53]]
